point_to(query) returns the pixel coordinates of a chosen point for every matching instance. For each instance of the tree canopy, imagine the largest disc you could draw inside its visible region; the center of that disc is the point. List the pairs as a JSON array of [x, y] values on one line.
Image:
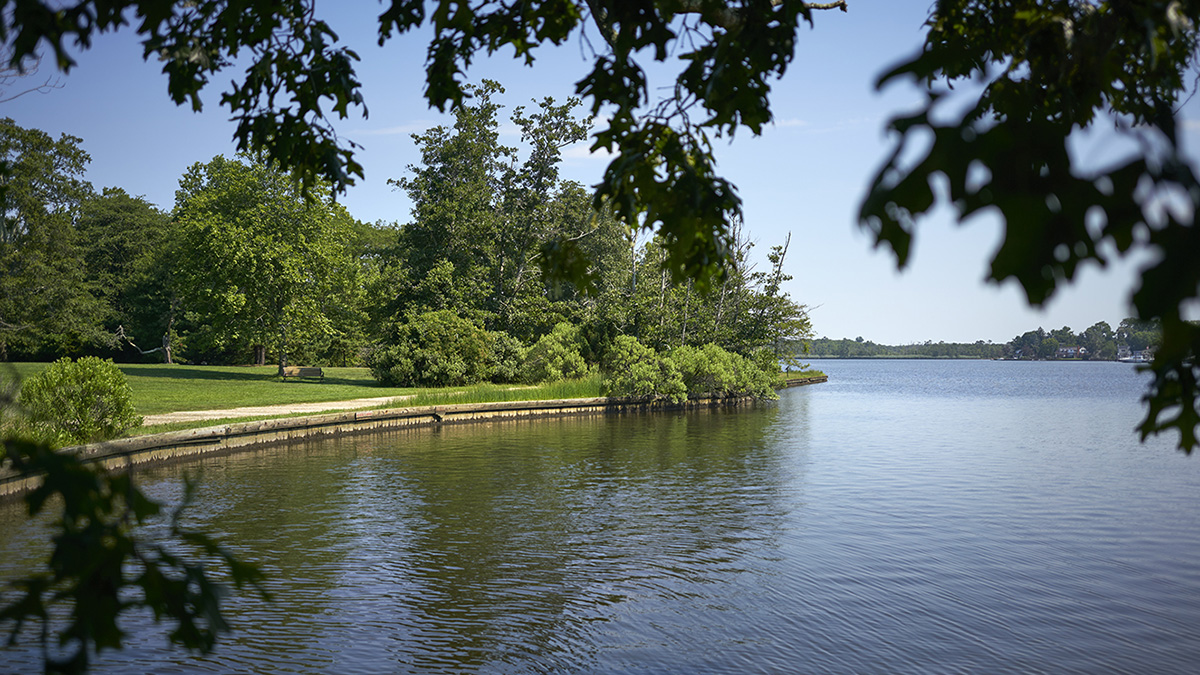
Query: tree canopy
[[257, 262], [47, 304], [299, 79]]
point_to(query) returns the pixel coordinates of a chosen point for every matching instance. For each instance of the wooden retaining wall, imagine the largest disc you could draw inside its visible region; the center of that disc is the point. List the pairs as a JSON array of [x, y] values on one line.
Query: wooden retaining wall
[[227, 438], [801, 381]]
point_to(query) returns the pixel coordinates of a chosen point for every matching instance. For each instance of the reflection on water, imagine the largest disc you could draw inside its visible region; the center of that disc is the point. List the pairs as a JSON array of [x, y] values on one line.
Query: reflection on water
[[905, 517]]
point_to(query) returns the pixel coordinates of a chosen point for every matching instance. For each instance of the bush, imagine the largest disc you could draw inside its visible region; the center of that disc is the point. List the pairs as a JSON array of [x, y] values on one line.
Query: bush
[[711, 370], [434, 349], [707, 370], [556, 356], [80, 401], [634, 369], [770, 365], [508, 354]]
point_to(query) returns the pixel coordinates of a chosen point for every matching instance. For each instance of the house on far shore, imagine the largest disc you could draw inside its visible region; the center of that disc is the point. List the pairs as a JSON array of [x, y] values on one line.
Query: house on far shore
[[1071, 352], [1124, 353]]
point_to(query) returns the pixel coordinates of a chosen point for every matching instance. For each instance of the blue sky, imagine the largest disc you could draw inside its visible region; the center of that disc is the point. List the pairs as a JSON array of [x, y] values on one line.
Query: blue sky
[[805, 175]]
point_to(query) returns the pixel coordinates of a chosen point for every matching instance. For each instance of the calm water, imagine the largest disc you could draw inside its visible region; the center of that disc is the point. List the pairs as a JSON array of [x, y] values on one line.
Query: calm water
[[905, 517]]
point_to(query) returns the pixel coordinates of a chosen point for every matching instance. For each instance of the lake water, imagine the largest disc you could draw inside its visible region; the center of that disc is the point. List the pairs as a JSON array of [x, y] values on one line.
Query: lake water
[[906, 517]]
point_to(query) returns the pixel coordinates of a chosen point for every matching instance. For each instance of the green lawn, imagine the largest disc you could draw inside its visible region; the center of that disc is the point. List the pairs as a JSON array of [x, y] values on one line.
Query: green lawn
[[160, 388]]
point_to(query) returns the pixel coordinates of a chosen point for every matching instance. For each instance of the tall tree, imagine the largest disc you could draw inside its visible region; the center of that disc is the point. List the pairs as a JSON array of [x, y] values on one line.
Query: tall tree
[[47, 305], [747, 311], [125, 245], [260, 267], [484, 217], [663, 174]]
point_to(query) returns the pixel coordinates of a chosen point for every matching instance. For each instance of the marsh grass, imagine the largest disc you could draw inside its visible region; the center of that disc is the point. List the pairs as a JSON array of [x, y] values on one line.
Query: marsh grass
[[801, 374]]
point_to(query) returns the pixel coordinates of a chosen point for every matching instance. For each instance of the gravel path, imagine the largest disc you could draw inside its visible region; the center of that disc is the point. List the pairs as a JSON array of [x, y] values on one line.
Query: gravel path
[[258, 410]]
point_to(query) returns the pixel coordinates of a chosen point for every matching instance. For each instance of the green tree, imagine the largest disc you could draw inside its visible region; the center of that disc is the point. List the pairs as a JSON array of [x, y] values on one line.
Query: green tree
[[1098, 340], [555, 356], [48, 306], [663, 174], [1139, 334], [1065, 336], [483, 219], [260, 267], [748, 310], [125, 243]]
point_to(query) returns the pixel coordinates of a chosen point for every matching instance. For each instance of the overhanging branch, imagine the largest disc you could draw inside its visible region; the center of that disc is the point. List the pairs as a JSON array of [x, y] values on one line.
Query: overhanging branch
[[727, 18]]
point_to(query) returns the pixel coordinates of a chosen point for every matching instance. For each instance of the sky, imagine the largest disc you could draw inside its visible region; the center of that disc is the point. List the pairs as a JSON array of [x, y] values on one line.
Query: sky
[[805, 175]]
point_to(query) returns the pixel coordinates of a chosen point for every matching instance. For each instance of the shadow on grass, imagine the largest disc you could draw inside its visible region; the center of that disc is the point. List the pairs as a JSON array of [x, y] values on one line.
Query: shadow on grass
[[198, 374], [223, 374], [342, 381]]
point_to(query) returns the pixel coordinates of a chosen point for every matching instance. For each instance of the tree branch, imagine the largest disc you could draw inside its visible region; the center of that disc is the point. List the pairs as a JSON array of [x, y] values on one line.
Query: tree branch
[[728, 18]]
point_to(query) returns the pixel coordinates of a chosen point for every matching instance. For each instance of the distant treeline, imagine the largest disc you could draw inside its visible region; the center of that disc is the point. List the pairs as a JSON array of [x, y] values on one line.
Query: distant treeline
[[859, 348], [1098, 342]]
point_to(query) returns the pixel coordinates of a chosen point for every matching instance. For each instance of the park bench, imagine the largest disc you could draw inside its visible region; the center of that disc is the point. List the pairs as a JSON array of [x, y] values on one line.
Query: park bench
[[297, 371]]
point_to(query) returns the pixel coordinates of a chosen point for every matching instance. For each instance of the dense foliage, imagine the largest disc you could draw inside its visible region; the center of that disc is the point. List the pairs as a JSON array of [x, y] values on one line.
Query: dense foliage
[[258, 264], [48, 304], [663, 173], [434, 349], [633, 369], [555, 356], [484, 221], [860, 348], [711, 371], [79, 401]]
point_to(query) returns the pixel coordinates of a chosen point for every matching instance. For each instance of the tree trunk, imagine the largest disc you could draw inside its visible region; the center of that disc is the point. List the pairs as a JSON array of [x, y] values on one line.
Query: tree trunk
[[260, 355], [282, 349]]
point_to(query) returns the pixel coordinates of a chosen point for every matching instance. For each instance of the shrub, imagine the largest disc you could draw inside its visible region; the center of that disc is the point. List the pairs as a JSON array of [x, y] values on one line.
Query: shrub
[[80, 401], [711, 370], [434, 349], [707, 370], [555, 356], [771, 366], [634, 369], [508, 354], [758, 376]]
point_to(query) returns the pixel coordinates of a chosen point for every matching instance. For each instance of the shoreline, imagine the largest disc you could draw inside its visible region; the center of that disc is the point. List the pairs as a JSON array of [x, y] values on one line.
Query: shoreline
[[222, 439]]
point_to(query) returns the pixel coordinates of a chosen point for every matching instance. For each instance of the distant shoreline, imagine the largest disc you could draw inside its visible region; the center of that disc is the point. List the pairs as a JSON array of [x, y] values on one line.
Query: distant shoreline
[[884, 357]]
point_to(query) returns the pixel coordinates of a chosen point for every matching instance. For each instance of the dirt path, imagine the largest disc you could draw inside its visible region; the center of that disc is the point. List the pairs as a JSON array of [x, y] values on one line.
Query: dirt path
[[258, 410]]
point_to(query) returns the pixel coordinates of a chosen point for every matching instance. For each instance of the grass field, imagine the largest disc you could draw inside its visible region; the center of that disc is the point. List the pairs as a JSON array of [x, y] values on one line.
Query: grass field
[[160, 388]]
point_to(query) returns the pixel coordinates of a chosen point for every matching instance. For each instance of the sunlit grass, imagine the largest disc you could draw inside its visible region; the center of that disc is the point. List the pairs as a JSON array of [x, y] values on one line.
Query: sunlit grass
[[802, 374], [161, 388]]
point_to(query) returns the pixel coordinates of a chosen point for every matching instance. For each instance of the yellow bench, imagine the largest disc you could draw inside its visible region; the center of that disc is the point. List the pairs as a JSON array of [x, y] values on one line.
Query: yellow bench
[[297, 371]]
